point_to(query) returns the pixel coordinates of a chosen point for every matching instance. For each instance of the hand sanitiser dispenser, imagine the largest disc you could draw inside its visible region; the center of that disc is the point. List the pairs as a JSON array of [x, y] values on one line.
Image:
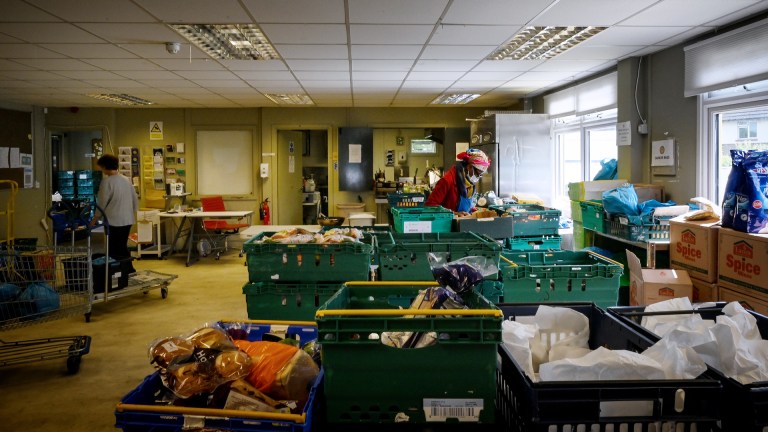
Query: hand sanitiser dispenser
[[264, 170]]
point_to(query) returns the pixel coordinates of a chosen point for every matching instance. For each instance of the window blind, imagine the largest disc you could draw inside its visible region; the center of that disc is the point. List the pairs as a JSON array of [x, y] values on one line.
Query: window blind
[[591, 96], [731, 59]]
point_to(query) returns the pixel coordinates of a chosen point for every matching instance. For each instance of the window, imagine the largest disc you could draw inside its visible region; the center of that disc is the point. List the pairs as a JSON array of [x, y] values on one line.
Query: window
[[224, 162], [581, 143], [731, 119]]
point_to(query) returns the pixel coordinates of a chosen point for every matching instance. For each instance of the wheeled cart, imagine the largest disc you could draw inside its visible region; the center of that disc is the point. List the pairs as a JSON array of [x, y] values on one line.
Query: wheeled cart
[[142, 281]]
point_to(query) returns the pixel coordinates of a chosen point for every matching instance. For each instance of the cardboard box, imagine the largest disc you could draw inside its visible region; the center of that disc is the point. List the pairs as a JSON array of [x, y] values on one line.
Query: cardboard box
[[647, 191], [589, 190], [743, 260], [647, 286], [703, 291], [749, 299], [693, 247]]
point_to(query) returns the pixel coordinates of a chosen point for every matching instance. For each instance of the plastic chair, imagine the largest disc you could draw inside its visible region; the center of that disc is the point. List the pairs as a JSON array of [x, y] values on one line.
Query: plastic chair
[[216, 231]]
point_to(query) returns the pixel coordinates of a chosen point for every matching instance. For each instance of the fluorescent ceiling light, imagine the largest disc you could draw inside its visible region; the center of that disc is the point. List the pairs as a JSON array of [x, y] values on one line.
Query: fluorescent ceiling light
[[122, 99], [290, 99], [533, 43], [454, 99], [229, 41]]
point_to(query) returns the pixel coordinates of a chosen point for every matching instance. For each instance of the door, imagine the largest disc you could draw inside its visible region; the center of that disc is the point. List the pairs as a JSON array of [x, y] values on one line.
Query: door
[[289, 177]]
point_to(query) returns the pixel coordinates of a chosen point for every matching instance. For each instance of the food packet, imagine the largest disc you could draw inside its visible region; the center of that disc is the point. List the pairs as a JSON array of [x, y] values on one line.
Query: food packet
[[284, 372], [463, 274], [199, 362]]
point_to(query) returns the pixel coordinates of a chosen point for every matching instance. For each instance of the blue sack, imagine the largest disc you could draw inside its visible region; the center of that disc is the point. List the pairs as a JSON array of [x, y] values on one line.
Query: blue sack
[[622, 200], [733, 187], [44, 298], [755, 189], [609, 170]]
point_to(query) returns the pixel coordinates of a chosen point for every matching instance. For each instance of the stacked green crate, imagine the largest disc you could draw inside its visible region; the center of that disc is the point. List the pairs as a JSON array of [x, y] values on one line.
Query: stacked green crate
[[87, 184], [65, 184], [535, 227]]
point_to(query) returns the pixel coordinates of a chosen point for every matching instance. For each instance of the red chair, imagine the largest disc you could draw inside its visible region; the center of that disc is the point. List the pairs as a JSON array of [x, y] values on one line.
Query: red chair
[[216, 230]]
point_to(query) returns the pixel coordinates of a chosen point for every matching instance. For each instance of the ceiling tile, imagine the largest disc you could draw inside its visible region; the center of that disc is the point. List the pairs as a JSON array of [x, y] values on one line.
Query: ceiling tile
[[14, 84], [123, 64], [5, 39], [507, 65], [32, 75], [158, 51], [440, 76], [740, 14], [133, 33], [7, 65], [599, 52], [265, 75], [168, 85], [276, 86], [116, 84], [318, 65], [396, 11], [57, 64], [92, 51], [590, 12], [447, 52], [621, 35], [90, 75], [94, 10], [360, 76], [381, 65], [18, 11], [250, 65], [468, 86], [432, 84], [472, 34], [310, 34], [686, 35], [494, 12], [149, 75], [444, 65], [48, 32], [383, 85], [544, 76], [296, 11], [20, 51], [325, 86], [209, 75], [385, 52], [556, 65], [196, 11], [360, 34], [212, 84], [322, 76], [312, 51], [489, 76], [683, 13], [185, 64]]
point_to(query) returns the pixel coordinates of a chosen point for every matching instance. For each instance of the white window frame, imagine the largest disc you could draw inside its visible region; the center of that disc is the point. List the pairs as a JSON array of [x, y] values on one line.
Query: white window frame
[[709, 105]]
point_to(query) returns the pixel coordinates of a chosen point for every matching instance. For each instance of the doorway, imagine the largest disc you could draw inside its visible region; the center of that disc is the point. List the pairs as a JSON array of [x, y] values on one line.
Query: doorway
[[301, 155]]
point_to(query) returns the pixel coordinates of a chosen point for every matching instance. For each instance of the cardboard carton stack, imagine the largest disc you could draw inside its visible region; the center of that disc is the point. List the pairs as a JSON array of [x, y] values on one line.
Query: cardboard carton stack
[[743, 269], [693, 247], [647, 286]]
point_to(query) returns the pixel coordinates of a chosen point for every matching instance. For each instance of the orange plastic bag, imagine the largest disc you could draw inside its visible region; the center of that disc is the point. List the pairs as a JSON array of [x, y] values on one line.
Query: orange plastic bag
[[282, 371]]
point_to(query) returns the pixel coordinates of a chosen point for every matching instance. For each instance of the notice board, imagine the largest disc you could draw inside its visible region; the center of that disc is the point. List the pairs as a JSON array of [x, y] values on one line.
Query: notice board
[[15, 130], [355, 159]]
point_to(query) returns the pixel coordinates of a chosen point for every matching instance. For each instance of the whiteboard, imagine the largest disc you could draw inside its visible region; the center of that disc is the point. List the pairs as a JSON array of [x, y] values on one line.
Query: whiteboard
[[224, 162]]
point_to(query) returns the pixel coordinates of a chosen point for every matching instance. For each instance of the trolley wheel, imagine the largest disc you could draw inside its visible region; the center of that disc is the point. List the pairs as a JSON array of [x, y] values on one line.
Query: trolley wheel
[[218, 255], [164, 292], [87, 317], [73, 364]]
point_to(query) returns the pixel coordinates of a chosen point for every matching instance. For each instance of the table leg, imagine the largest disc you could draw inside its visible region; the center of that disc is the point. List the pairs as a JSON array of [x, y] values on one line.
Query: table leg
[[176, 236], [191, 240]]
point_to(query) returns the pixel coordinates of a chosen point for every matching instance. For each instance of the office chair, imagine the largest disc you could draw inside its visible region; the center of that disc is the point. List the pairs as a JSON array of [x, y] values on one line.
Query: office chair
[[216, 231]]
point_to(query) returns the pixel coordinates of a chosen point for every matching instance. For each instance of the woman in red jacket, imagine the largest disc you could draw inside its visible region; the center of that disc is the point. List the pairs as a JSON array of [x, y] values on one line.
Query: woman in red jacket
[[455, 189]]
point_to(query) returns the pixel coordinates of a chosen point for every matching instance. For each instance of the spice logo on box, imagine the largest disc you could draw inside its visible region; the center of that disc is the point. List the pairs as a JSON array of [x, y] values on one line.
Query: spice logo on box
[[685, 246], [741, 266], [666, 292]]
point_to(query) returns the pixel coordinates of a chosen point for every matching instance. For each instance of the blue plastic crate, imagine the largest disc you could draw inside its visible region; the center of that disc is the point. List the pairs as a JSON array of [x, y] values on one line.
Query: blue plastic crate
[[139, 412]]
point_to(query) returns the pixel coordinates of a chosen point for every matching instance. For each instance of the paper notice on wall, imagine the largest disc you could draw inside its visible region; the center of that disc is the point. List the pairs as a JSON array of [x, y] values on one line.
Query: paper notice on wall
[[4, 151], [663, 153], [355, 153], [144, 231], [15, 158], [624, 133], [291, 164], [461, 147]]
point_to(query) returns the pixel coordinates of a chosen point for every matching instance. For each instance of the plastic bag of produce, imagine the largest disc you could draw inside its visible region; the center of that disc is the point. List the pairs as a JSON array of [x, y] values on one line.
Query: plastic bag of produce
[[462, 274]]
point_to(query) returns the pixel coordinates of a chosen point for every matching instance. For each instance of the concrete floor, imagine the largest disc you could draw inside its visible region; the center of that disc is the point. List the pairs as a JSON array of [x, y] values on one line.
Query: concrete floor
[[40, 396]]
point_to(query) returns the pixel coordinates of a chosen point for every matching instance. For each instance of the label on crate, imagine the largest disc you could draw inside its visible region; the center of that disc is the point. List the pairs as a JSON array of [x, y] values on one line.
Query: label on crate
[[417, 227], [464, 410]]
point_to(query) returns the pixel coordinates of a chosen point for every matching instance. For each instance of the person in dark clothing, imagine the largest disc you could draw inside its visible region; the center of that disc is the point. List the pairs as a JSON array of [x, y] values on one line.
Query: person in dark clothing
[[455, 189]]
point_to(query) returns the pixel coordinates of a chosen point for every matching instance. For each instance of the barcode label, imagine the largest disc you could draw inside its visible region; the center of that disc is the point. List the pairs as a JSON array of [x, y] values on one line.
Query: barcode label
[[463, 410]]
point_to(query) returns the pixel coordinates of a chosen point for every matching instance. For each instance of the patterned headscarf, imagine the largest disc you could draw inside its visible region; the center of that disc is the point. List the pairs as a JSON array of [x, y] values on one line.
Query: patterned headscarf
[[476, 158]]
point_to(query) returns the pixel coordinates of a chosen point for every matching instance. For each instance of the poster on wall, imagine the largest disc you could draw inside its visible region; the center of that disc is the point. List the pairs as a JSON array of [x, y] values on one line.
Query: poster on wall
[[158, 168], [155, 130]]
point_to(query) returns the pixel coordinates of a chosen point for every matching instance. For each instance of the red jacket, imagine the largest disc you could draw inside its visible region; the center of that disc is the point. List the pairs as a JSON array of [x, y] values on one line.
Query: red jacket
[[446, 192]]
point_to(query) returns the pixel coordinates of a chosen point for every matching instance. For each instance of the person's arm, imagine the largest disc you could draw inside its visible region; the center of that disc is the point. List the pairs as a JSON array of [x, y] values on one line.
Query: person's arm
[[101, 198], [437, 195]]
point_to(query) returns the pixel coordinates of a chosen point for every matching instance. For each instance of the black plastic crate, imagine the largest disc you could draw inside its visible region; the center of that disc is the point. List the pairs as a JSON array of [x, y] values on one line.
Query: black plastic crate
[[745, 406], [554, 406], [119, 271]]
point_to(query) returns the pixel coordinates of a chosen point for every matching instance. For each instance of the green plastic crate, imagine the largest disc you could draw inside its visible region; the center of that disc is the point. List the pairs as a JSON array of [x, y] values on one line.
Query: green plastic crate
[[286, 301], [368, 382], [593, 215], [406, 199], [562, 276], [548, 242], [277, 262], [619, 226], [433, 219], [531, 219], [406, 258], [492, 290]]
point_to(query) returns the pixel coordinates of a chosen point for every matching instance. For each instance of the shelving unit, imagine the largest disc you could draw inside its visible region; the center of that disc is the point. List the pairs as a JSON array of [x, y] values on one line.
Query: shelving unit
[[156, 248], [650, 246]]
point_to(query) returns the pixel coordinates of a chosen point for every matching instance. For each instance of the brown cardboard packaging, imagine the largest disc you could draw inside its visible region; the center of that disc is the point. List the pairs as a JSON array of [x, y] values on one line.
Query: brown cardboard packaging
[[693, 247], [743, 260], [647, 286], [646, 191], [703, 291], [748, 298]]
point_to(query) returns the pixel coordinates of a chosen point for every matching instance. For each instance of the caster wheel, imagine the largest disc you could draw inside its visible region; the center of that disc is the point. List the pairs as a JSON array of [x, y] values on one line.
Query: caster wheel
[[87, 317], [73, 364], [164, 293]]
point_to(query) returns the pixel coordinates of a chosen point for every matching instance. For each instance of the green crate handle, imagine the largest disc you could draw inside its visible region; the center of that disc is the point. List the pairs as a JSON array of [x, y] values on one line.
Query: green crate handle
[[401, 312], [270, 322], [212, 412], [606, 258]]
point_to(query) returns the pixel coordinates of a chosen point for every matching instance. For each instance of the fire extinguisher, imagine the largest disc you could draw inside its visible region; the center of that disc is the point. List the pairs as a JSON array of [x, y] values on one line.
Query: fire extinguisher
[[264, 211]]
